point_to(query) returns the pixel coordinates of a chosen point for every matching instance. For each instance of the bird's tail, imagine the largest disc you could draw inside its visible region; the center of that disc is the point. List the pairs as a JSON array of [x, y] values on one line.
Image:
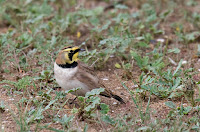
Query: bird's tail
[[109, 94], [119, 99]]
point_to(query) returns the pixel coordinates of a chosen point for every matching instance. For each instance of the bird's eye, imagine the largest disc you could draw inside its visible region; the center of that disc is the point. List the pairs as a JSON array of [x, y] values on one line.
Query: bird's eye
[[66, 48]]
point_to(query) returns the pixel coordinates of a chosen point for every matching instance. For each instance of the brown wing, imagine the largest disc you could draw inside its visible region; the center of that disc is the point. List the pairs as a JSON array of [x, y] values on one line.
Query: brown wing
[[87, 76], [86, 68]]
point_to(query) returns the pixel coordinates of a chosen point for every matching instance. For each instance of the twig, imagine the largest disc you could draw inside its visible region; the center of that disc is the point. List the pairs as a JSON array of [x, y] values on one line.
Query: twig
[[17, 61], [94, 62]]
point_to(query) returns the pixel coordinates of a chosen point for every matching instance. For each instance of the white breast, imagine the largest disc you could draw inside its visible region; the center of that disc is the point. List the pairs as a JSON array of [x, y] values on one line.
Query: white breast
[[66, 73], [64, 79]]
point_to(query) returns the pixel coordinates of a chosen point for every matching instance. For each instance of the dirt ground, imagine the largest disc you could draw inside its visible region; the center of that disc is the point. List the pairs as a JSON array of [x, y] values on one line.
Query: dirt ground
[[111, 78]]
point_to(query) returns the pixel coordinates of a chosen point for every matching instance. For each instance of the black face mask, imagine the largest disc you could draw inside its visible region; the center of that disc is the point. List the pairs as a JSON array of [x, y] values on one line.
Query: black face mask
[[74, 64]]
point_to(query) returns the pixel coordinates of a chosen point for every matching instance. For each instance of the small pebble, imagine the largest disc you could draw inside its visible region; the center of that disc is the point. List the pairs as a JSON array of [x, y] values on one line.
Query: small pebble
[[135, 86], [105, 79], [184, 62], [118, 87], [38, 97], [115, 103], [160, 40], [184, 104]]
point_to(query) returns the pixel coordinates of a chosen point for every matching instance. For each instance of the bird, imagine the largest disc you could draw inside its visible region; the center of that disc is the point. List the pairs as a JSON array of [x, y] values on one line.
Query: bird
[[71, 73]]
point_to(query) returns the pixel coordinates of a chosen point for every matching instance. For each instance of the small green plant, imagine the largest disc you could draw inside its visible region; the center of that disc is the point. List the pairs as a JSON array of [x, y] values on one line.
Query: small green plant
[[34, 110], [65, 121], [185, 37], [26, 117], [46, 76], [153, 61], [165, 84], [89, 104], [142, 62], [180, 111], [143, 115], [21, 84]]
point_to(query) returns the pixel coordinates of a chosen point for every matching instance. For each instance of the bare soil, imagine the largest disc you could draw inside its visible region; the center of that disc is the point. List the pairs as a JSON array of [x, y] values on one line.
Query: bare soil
[[111, 78]]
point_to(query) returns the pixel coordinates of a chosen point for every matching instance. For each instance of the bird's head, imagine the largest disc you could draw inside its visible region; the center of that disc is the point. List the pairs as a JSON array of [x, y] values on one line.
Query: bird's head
[[68, 55]]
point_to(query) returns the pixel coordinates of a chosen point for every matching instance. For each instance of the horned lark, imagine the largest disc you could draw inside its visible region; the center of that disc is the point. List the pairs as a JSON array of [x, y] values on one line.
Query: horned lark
[[71, 73]]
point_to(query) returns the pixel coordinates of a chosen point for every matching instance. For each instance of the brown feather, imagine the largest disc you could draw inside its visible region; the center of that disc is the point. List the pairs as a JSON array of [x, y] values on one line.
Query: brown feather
[[86, 75], [60, 58]]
